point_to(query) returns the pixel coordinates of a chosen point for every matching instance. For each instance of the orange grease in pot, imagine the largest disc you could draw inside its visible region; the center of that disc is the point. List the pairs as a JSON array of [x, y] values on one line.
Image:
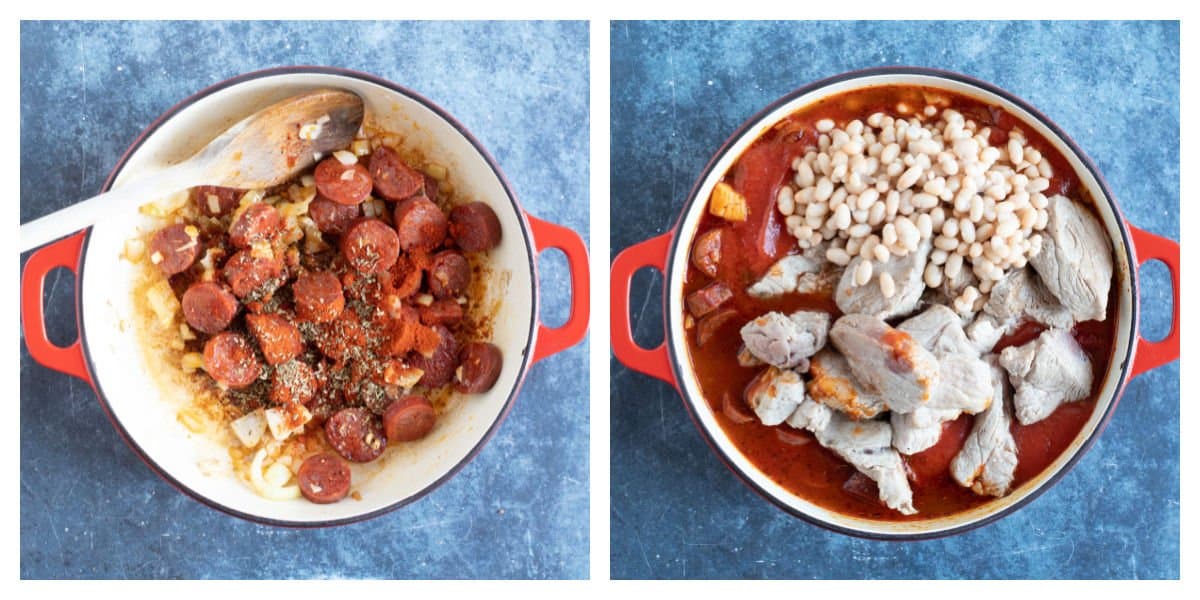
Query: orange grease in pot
[[808, 469]]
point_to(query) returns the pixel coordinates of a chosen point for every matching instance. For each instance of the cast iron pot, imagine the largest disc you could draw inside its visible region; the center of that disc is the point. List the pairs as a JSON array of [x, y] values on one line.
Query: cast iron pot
[[669, 254], [107, 356]]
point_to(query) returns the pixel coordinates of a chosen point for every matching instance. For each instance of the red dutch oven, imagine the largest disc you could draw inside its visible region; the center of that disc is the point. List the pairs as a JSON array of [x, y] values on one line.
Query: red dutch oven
[[670, 361], [107, 354]]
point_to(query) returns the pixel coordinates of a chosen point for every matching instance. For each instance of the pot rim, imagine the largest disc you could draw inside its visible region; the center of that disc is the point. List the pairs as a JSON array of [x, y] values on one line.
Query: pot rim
[[1119, 358], [526, 236]]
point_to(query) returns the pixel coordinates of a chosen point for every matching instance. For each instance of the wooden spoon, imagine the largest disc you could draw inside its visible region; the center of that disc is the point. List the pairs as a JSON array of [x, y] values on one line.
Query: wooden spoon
[[260, 151]]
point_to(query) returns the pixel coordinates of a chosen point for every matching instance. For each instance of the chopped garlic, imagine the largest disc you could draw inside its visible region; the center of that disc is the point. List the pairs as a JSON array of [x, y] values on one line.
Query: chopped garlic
[[344, 157], [436, 171], [360, 147], [134, 249], [191, 362], [347, 175], [249, 428], [214, 203], [157, 257]]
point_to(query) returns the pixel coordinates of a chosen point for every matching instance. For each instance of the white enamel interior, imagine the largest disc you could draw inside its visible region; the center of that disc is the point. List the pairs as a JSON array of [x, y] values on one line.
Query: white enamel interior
[[148, 414], [691, 389]]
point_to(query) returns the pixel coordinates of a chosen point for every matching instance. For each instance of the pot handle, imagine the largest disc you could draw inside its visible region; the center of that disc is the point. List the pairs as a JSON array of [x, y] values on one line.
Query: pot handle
[[63, 253], [653, 362], [1147, 246], [551, 341]]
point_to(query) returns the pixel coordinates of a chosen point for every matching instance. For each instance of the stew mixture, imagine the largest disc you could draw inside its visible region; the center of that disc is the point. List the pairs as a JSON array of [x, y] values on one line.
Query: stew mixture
[[805, 232], [329, 313]]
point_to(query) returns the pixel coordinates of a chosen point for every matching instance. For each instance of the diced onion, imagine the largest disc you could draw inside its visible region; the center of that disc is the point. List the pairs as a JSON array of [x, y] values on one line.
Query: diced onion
[[249, 428]]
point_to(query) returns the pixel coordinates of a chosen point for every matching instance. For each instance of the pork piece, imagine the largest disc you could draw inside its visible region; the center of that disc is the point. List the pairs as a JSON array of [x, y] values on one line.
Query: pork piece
[[1046, 372], [988, 458], [867, 445], [1021, 294], [785, 275], [774, 394], [708, 298], [908, 274], [785, 341], [965, 383], [833, 384], [920, 429], [985, 331], [886, 362], [1075, 261], [746, 358]]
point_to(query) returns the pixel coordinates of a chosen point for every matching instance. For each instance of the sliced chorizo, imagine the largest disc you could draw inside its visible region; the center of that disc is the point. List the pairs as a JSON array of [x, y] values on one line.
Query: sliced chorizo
[[408, 419], [293, 381], [446, 311], [230, 360], [331, 217], [208, 307], [431, 188], [344, 184], [711, 323], [337, 338], [356, 434], [259, 222], [706, 252], [479, 367], [253, 277], [318, 296], [215, 201], [278, 339], [475, 227], [393, 179], [708, 298], [440, 364], [174, 248], [370, 246], [449, 274], [323, 478], [420, 224]]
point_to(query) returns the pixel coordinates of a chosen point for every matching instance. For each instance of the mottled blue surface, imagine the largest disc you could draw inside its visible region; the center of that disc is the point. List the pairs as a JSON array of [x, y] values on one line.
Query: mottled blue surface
[[90, 508], [679, 89]]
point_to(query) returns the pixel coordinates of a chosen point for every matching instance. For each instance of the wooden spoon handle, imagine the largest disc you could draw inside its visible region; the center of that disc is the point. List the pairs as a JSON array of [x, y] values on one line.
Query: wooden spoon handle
[[119, 201]]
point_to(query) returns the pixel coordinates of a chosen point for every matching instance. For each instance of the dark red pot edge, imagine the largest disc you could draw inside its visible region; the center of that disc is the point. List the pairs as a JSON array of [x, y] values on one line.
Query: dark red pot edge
[[1125, 361], [527, 352]]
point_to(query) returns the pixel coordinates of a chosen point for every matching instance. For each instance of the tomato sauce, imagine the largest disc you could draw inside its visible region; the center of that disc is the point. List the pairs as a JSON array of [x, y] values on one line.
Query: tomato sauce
[[791, 457]]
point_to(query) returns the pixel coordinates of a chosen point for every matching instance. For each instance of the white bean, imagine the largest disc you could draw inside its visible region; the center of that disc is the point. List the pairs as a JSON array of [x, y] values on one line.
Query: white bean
[[938, 217], [837, 256], [887, 286], [976, 213], [876, 214], [966, 230], [785, 201], [859, 230], [953, 265], [925, 225], [924, 201], [1016, 154], [825, 125], [933, 276], [804, 175], [890, 153], [1007, 226], [909, 178], [983, 232], [938, 256], [824, 190], [867, 198], [947, 244], [881, 253], [950, 228], [842, 217], [1039, 184], [863, 273]]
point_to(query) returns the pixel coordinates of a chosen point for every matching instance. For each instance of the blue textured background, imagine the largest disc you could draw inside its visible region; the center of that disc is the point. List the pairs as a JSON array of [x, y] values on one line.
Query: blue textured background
[[90, 508], [679, 89]]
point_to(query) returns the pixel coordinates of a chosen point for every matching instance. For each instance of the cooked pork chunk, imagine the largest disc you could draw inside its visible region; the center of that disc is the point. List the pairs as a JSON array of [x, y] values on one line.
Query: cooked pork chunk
[[1046, 372], [907, 273], [886, 362], [746, 358], [832, 384], [984, 332], [1076, 259], [774, 394], [988, 458], [939, 330], [867, 445], [810, 415], [1020, 293], [920, 429], [786, 341], [785, 276]]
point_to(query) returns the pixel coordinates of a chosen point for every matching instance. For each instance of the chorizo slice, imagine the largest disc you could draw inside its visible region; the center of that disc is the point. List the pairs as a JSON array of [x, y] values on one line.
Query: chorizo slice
[[446, 311], [420, 224], [331, 217], [230, 360], [278, 339], [475, 227], [215, 201], [431, 188], [338, 337], [408, 419], [708, 298], [706, 252], [323, 478], [356, 434], [174, 248], [479, 367], [370, 246], [293, 381], [209, 307], [259, 222], [449, 274], [253, 277], [344, 184], [711, 323], [318, 296], [393, 179], [440, 364]]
